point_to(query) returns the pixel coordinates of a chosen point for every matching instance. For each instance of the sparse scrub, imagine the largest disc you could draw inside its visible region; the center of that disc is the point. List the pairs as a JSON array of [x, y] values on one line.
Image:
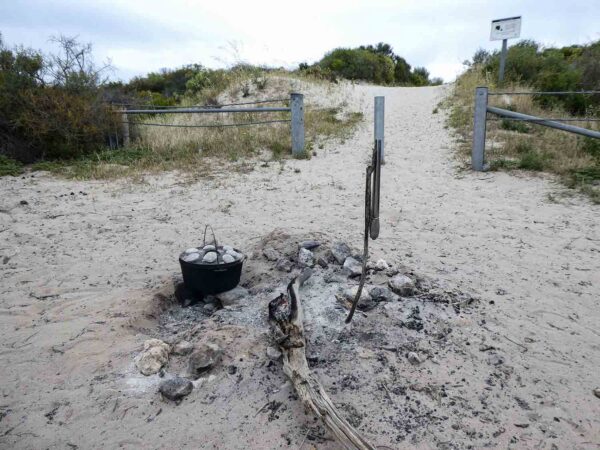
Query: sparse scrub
[[9, 166], [519, 145], [514, 125], [60, 118], [200, 150], [51, 105]]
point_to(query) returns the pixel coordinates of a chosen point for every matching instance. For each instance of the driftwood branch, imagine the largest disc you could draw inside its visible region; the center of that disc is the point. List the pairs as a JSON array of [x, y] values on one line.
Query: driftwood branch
[[286, 317]]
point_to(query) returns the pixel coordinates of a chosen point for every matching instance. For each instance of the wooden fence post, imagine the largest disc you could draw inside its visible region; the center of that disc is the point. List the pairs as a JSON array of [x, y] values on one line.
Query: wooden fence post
[[125, 128], [479, 123], [297, 109]]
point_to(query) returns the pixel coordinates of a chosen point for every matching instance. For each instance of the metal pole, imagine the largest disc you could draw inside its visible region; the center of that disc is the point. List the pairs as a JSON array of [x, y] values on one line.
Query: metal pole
[[379, 124], [205, 110], [546, 123], [502, 61], [479, 122], [125, 128], [297, 108]]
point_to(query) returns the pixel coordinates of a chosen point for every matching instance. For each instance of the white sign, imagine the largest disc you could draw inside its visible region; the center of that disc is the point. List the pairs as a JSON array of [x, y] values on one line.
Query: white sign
[[508, 28]]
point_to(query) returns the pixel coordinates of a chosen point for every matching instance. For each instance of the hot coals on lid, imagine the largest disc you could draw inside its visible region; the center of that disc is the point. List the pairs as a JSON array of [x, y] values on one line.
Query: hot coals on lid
[[209, 254], [211, 268]]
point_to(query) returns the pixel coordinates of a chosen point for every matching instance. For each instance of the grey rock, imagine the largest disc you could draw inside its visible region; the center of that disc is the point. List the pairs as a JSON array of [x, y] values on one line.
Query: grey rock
[[210, 257], [208, 248], [233, 296], [203, 358], [381, 264], [414, 359], [284, 264], [392, 271], [310, 244], [236, 255], [495, 360], [332, 277], [153, 357], [381, 294], [306, 258], [227, 258], [322, 262], [403, 285], [209, 308], [340, 251], [183, 348], [352, 268], [597, 392], [350, 293], [273, 354], [365, 302], [271, 254], [190, 257], [175, 388]]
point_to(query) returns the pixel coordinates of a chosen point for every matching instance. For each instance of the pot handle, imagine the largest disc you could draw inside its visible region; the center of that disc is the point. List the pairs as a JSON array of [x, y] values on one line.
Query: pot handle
[[214, 240]]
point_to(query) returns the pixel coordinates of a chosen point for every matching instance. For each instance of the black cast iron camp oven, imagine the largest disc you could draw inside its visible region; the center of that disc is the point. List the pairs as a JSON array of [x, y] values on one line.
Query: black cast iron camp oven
[[212, 278], [206, 279]]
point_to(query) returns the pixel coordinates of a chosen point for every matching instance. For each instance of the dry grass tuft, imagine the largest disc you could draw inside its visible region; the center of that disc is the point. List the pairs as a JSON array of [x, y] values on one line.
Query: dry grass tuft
[[196, 151]]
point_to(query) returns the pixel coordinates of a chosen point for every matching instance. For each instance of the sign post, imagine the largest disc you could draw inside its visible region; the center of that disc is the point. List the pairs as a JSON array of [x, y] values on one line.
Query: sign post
[[505, 29]]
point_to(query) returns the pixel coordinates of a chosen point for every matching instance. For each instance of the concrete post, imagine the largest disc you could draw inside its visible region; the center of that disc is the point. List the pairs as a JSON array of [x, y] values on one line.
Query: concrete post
[[297, 109], [379, 124], [479, 123], [125, 128]]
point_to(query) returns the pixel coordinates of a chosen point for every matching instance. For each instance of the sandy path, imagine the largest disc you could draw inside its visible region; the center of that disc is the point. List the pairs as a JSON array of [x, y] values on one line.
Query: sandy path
[[79, 260]]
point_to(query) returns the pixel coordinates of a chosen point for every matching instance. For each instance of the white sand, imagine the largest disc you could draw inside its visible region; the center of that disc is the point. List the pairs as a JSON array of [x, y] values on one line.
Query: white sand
[[78, 272]]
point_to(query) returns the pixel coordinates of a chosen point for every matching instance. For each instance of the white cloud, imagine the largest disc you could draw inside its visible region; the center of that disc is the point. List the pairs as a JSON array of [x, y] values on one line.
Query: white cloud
[[144, 35]]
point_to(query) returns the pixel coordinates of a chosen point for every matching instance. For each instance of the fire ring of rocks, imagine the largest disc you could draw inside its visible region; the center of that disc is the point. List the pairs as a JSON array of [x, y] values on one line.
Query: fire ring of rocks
[[416, 308]]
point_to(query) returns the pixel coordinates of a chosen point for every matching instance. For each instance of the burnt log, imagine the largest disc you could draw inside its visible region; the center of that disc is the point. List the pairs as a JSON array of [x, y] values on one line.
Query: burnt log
[[286, 318]]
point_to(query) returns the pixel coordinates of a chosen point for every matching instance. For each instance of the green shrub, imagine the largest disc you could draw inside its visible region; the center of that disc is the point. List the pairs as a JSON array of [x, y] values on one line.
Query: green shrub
[[514, 125], [359, 64], [571, 68], [168, 82], [52, 106], [419, 76], [531, 160], [9, 166], [401, 70], [591, 146]]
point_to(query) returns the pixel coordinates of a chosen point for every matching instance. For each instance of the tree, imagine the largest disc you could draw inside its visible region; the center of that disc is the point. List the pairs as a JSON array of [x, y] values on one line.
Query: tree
[[73, 66], [420, 76]]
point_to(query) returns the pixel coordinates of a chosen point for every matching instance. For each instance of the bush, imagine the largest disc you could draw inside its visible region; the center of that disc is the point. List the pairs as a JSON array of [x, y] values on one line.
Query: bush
[[419, 76], [401, 70], [168, 82], [9, 166], [52, 106], [571, 68], [359, 64], [514, 125], [532, 160]]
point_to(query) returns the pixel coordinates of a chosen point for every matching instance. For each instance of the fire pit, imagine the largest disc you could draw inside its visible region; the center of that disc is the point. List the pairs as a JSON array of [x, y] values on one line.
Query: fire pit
[[211, 268]]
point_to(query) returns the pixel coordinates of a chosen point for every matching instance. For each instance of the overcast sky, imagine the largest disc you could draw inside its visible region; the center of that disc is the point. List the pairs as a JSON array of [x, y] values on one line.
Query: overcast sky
[[146, 35]]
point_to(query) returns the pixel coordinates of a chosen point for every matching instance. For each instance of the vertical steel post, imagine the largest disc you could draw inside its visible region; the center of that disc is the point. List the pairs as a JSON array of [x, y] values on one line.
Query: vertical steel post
[[297, 109], [125, 128], [479, 122], [502, 61], [379, 124]]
